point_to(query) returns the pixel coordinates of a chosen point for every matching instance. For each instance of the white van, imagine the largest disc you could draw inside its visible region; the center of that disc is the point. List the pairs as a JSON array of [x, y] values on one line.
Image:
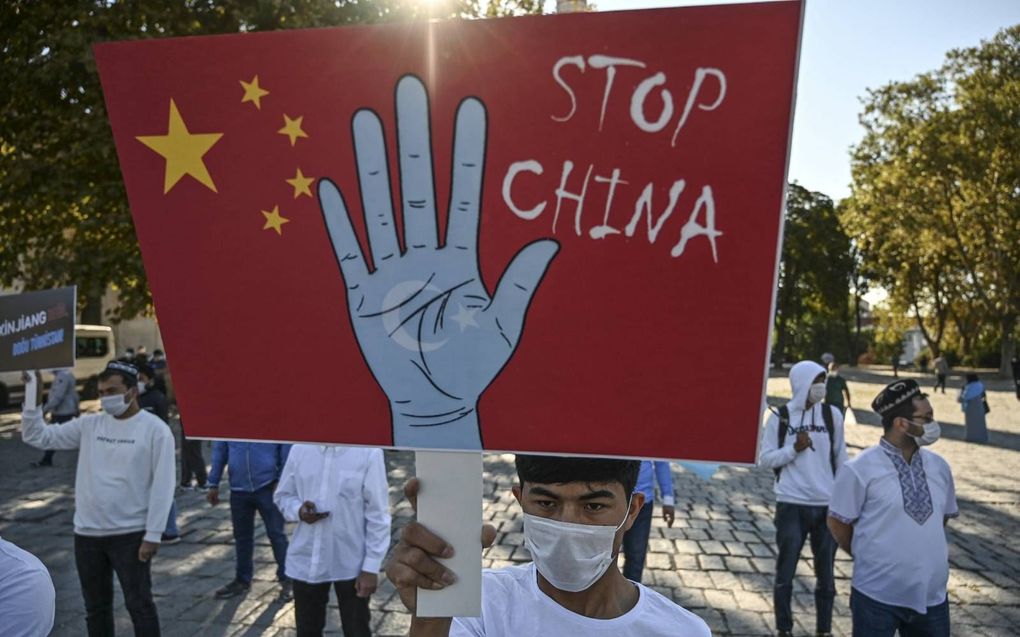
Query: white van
[[94, 348]]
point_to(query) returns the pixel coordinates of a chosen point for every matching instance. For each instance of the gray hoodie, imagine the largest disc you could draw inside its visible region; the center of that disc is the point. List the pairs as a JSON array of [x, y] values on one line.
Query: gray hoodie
[[807, 476]]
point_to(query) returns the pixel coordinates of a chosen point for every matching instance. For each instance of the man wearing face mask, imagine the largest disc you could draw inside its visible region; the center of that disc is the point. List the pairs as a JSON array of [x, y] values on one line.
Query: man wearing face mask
[[804, 445], [889, 508], [123, 490], [576, 511]]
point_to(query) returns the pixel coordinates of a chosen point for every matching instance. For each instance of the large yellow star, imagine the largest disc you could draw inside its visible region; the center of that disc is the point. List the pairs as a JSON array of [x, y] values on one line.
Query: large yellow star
[[182, 150], [253, 92], [292, 129], [301, 184], [274, 220]]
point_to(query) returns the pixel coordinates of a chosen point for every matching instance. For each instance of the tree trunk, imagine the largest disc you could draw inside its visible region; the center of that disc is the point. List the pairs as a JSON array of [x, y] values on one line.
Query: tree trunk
[[856, 349], [1008, 346], [92, 311]]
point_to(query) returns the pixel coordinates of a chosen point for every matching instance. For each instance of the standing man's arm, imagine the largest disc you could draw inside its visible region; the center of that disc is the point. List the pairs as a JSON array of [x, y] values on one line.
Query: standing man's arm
[[163, 410], [773, 456], [664, 478], [34, 431], [845, 506], [282, 452], [846, 392], [58, 390], [220, 457], [842, 532], [376, 499], [161, 495], [839, 437], [286, 497], [951, 508]]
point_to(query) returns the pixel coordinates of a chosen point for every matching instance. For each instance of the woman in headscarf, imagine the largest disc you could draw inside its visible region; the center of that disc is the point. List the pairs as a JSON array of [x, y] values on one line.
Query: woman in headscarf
[[972, 399]]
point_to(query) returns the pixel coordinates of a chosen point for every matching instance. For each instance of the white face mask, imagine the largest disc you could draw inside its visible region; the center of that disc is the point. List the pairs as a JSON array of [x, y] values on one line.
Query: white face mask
[[816, 393], [570, 556], [932, 431], [114, 405], [141, 388]]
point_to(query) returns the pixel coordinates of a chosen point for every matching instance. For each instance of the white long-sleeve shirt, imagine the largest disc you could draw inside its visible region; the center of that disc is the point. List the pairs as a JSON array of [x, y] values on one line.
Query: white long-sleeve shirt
[[349, 483], [126, 472]]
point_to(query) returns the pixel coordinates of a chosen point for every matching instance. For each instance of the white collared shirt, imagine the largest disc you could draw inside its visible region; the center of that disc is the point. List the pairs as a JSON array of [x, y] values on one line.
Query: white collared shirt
[[898, 511], [349, 483]]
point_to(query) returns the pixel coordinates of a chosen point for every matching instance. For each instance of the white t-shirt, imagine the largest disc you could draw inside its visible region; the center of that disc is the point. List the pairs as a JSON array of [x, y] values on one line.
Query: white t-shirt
[[27, 597], [513, 605], [897, 559]]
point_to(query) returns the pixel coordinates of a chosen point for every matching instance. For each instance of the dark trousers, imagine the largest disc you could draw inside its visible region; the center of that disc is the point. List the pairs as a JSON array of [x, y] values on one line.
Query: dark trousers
[[940, 381], [872, 618], [192, 462], [243, 505], [97, 559], [47, 458], [794, 523], [310, 608], [635, 543]]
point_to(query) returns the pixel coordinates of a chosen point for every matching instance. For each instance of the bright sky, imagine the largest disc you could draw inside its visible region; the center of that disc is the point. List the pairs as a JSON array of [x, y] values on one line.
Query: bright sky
[[850, 46]]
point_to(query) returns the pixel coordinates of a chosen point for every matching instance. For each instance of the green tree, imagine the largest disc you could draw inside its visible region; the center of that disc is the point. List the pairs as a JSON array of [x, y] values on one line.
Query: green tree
[[812, 306], [64, 216], [936, 190]]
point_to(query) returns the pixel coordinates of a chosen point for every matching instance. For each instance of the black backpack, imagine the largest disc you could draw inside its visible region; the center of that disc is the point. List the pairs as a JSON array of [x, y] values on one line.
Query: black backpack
[[784, 424]]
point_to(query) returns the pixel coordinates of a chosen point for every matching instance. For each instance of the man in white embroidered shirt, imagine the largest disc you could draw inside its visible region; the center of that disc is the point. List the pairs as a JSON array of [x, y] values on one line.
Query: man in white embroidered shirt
[[888, 510], [339, 496], [122, 494], [576, 511]]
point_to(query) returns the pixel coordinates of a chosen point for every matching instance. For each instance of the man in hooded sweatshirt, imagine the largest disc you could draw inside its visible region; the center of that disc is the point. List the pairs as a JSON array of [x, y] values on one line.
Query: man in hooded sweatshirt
[[804, 444]]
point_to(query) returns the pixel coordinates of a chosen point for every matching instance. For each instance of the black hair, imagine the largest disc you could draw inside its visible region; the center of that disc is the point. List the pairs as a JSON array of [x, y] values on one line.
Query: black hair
[[157, 352], [972, 378], [903, 410], [129, 379], [561, 470], [145, 368]]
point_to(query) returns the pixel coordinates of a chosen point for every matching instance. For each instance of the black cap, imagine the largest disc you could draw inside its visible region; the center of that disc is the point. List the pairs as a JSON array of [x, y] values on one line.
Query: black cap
[[895, 395], [126, 368]]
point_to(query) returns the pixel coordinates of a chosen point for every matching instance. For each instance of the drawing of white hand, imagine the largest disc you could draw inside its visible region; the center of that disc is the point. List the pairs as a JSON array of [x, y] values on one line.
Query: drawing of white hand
[[431, 333]]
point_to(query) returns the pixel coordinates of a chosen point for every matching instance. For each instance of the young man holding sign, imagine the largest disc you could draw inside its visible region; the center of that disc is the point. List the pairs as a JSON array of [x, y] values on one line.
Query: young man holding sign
[[576, 511], [123, 492]]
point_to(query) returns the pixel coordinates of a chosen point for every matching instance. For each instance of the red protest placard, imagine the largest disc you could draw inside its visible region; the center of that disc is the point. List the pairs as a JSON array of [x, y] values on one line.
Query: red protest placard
[[554, 234]]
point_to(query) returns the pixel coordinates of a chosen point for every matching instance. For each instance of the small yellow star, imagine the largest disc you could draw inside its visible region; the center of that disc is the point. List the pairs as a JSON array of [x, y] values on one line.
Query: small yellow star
[[182, 150], [292, 129], [253, 92], [301, 184], [274, 220]]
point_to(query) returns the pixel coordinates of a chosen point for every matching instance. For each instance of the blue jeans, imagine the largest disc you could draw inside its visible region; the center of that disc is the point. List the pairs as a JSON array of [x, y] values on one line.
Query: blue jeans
[[635, 543], [794, 523], [243, 505], [872, 618], [171, 521]]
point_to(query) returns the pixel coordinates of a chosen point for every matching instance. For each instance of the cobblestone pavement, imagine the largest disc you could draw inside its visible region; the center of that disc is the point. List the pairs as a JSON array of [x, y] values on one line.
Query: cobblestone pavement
[[717, 560]]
